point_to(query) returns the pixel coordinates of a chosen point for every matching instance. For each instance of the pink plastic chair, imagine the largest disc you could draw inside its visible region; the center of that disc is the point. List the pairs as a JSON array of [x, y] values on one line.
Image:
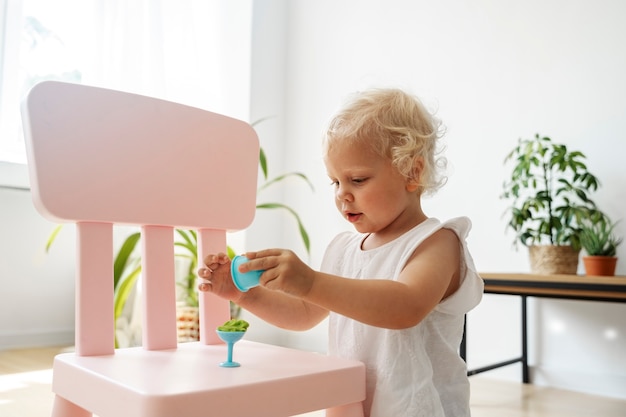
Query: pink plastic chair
[[99, 157]]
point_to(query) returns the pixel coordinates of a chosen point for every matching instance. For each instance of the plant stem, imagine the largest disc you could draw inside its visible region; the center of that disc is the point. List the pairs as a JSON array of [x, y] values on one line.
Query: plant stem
[[547, 183]]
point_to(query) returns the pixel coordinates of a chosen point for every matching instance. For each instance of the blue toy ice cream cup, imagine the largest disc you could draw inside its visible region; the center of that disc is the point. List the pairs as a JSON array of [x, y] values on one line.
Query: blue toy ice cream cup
[[244, 280]]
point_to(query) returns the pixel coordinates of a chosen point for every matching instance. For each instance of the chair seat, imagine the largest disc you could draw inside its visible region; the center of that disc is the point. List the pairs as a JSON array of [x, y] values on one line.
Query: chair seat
[[189, 382]]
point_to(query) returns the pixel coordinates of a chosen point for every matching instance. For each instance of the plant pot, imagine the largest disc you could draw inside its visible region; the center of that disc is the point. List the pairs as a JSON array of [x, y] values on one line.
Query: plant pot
[[552, 259], [187, 323], [600, 265]]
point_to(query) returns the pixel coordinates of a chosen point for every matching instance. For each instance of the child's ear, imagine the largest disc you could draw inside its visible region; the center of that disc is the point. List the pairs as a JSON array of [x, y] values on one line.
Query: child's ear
[[413, 183], [412, 186]]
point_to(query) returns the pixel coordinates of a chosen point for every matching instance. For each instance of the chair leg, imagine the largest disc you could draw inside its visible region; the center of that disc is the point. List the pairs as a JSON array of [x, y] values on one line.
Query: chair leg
[[348, 410], [65, 408]]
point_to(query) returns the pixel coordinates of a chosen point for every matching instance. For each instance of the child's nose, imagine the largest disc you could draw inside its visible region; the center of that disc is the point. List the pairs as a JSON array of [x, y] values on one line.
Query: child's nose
[[342, 194]]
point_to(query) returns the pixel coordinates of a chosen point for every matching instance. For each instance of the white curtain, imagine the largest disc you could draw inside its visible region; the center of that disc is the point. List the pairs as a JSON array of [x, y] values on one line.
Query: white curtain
[[11, 147], [196, 52]]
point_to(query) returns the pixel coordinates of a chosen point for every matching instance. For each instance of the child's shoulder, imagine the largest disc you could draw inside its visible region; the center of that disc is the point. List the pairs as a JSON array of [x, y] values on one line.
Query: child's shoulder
[[461, 225]]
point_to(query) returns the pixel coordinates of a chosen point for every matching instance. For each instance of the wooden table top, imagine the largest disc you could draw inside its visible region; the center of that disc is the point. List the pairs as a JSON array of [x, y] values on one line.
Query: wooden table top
[[581, 287]]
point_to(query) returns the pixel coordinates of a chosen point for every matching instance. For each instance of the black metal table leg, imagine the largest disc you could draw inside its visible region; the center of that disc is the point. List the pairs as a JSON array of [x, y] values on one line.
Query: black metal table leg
[[525, 374], [463, 347], [523, 359]]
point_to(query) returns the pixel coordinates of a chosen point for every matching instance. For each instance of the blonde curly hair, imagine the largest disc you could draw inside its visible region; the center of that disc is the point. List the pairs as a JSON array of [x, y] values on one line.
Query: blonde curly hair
[[395, 125]]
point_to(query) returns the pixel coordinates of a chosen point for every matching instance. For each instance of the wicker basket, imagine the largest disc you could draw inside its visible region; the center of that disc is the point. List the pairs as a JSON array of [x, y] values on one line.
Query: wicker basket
[[188, 321], [187, 324], [549, 259]]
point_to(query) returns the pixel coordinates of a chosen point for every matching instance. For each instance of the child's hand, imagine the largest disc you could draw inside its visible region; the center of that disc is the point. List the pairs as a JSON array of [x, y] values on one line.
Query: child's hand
[[284, 271], [216, 277]]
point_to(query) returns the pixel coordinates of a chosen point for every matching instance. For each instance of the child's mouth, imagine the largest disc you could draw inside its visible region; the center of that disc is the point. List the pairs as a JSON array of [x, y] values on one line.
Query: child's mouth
[[353, 217]]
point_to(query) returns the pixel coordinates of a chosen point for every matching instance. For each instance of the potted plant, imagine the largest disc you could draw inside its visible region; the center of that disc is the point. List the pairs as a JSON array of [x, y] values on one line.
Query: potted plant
[[600, 243], [549, 191], [127, 264]]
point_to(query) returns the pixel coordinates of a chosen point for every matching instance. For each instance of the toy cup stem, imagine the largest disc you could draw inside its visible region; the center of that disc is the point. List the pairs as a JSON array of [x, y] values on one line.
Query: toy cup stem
[[230, 352]]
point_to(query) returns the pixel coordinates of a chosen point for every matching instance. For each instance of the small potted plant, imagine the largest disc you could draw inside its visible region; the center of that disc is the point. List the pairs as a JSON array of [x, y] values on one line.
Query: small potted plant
[[549, 188], [600, 243]]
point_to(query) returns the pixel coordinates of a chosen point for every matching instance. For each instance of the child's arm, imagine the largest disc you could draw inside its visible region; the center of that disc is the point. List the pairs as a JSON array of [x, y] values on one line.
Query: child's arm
[[272, 306], [430, 275]]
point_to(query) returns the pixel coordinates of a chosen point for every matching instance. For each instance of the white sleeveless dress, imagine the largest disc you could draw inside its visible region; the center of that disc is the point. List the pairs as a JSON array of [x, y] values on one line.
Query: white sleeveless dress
[[414, 372]]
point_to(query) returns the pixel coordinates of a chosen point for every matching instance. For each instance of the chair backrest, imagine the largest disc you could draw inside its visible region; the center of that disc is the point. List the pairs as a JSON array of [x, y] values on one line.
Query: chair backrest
[[100, 157]]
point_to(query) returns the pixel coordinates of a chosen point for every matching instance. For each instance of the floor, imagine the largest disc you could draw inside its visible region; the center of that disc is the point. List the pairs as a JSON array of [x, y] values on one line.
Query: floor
[[25, 392]]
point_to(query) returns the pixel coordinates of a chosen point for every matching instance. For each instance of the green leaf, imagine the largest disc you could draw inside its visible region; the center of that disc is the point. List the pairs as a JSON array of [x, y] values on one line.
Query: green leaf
[[189, 286], [123, 256], [125, 286], [190, 244], [262, 156], [188, 236], [261, 120], [303, 233], [596, 235], [53, 236], [263, 163], [191, 247], [123, 290], [284, 176]]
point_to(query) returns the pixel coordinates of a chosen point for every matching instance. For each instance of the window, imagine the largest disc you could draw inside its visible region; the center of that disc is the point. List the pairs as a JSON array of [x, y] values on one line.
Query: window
[[196, 52], [42, 41]]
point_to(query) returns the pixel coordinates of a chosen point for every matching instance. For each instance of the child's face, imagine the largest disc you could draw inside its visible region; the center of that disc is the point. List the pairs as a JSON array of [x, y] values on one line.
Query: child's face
[[369, 191]]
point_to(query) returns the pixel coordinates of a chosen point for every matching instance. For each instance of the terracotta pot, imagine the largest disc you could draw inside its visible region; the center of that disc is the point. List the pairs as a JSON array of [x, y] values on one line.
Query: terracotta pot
[[600, 265], [550, 259]]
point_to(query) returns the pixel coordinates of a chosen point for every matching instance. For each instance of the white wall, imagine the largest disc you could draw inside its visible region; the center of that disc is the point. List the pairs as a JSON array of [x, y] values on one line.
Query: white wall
[[494, 71], [37, 295]]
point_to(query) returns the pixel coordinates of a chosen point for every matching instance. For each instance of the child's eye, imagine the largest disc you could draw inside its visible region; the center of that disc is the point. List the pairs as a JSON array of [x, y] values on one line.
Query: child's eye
[[359, 180]]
